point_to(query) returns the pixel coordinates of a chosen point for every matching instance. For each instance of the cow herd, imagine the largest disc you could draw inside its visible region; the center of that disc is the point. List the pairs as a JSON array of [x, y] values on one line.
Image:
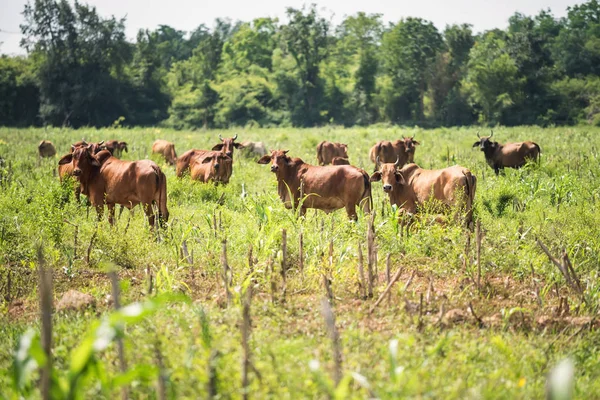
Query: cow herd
[[106, 180]]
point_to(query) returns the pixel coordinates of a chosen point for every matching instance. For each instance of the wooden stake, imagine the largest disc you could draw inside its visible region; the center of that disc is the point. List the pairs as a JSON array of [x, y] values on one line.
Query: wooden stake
[[361, 272], [329, 317], [387, 289], [245, 328], [116, 294], [284, 262], [301, 252], [387, 275], [45, 293], [225, 271], [478, 237], [371, 251]]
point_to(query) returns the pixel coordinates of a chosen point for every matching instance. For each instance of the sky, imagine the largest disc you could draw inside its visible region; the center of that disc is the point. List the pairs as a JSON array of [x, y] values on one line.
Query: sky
[[186, 15]]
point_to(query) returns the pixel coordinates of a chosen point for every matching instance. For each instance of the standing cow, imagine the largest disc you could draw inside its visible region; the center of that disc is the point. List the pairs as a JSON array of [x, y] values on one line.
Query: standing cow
[[46, 149], [388, 152], [412, 186], [107, 180], [255, 148], [183, 162], [116, 148], [509, 155], [212, 166], [165, 149], [326, 188], [326, 151]]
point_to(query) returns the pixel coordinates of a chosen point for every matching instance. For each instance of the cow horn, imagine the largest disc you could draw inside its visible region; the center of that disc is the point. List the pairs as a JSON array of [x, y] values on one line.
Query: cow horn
[[492, 133], [235, 137], [412, 137], [377, 162], [100, 143], [479, 137], [285, 151], [72, 148], [397, 162], [84, 142], [220, 137]]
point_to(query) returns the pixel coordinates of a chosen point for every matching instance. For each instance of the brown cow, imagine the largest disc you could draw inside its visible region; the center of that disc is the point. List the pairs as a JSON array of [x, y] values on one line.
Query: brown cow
[[165, 149], [411, 186], [340, 161], [65, 164], [255, 148], [95, 147], [116, 148], [509, 155], [326, 151], [46, 149], [107, 180], [211, 166], [326, 188], [183, 162], [388, 152]]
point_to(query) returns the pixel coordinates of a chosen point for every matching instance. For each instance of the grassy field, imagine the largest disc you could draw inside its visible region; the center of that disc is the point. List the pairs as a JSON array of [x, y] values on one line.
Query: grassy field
[[437, 335]]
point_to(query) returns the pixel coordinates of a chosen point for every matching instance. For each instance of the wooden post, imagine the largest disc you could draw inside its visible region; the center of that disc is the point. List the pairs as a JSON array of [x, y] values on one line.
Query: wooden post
[[478, 238], [327, 286], [45, 293], [329, 317], [361, 272], [116, 294], [330, 258], [301, 252], [245, 328], [370, 256], [387, 289], [225, 271], [89, 249], [387, 275], [284, 262]]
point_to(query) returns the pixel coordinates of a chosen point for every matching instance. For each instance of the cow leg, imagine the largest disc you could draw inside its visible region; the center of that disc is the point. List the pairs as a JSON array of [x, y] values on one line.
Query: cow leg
[[78, 193], [111, 213], [100, 211], [351, 211], [150, 214]]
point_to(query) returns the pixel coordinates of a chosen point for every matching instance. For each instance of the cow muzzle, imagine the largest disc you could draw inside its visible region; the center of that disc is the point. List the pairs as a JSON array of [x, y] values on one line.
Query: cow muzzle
[[77, 172], [229, 154], [274, 168], [216, 167], [387, 188]]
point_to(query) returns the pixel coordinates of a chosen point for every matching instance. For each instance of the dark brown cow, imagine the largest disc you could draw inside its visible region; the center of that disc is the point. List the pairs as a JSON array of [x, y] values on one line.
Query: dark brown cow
[[509, 155], [326, 151], [326, 188], [340, 161], [212, 166], [183, 162], [411, 186], [388, 152], [107, 180], [165, 149], [116, 148], [46, 149]]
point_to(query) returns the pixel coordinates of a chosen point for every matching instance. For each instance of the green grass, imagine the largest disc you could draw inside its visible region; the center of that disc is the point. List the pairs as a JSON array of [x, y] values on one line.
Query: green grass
[[555, 201]]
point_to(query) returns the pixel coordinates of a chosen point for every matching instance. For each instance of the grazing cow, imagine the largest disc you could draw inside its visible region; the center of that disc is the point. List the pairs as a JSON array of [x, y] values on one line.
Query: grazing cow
[[411, 186], [340, 161], [509, 155], [326, 188], [326, 151], [211, 166], [46, 149], [165, 149], [388, 152], [107, 180], [255, 148], [183, 162], [116, 148]]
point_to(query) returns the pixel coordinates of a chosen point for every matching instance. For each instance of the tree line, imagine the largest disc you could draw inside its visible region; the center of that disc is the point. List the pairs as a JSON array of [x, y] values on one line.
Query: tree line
[[80, 70]]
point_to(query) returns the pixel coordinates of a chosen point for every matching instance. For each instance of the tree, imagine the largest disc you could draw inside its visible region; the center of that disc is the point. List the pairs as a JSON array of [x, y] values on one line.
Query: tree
[[19, 95]]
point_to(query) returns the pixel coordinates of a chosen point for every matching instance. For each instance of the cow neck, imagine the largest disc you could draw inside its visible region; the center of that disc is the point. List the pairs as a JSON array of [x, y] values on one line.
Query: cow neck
[[288, 179], [407, 199], [491, 152]]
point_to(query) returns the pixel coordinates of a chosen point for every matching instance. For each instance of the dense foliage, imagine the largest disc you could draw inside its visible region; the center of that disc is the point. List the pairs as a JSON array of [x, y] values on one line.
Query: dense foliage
[[82, 71]]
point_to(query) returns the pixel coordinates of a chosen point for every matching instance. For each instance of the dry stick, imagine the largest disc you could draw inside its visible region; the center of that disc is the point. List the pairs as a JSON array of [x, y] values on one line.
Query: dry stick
[[478, 234], [387, 275], [162, 379], [75, 235], [245, 328], [271, 279], [409, 281], [420, 324], [560, 267], [220, 222], [150, 279], [185, 253], [330, 258], [45, 288], [370, 251], [215, 222], [429, 290], [361, 272], [329, 317], [327, 286], [8, 296], [225, 271], [284, 262], [301, 252], [569, 267], [478, 319], [114, 279], [89, 249], [211, 385], [387, 289]]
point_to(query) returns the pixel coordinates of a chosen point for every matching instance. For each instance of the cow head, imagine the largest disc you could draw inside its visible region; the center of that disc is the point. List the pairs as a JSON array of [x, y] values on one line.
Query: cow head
[[95, 147], [220, 165], [389, 174], [83, 159], [278, 160], [227, 145], [409, 144], [485, 143]]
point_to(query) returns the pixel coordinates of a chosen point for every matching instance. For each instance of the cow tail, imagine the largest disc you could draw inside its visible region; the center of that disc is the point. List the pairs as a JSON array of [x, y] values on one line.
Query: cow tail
[[539, 149], [161, 186], [368, 206]]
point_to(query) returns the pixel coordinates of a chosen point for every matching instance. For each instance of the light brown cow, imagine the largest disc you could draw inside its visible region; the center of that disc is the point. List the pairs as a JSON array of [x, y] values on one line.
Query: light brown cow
[[326, 188], [46, 149], [165, 149], [107, 180], [183, 162], [340, 161], [254, 148], [326, 151], [116, 148], [411, 187], [212, 166], [388, 152], [509, 155]]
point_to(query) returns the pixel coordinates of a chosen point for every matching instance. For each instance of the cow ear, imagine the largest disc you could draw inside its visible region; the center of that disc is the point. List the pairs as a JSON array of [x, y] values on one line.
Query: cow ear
[[124, 145], [237, 145], [415, 142], [376, 177], [65, 159], [400, 178], [218, 147], [206, 160], [477, 143], [264, 159]]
